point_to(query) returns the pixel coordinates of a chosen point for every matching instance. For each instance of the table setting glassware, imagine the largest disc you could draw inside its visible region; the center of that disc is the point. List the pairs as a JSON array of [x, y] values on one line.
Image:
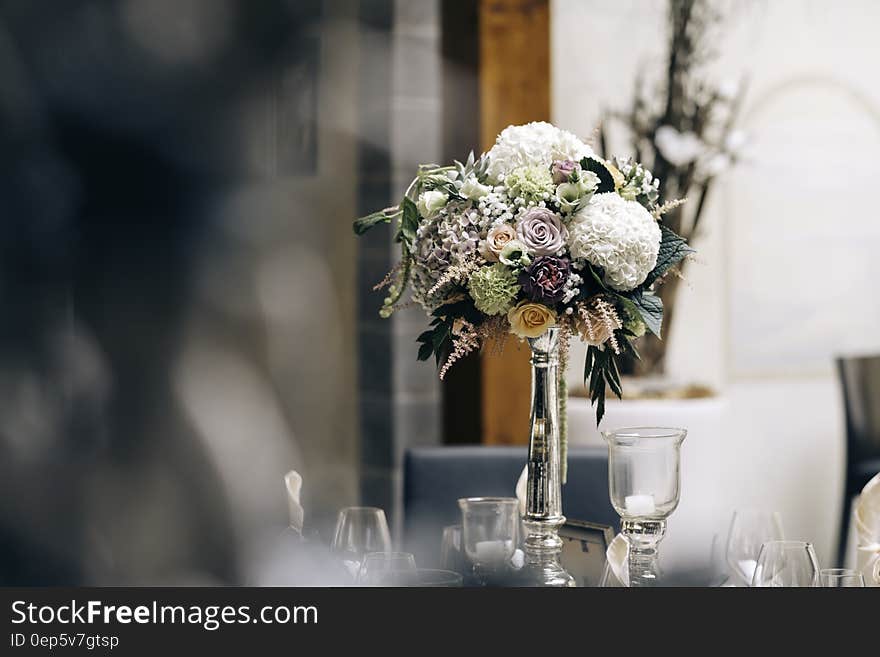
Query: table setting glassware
[[359, 531], [489, 531], [749, 530], [644, 479], [434, 578], [840, 578], [387, 569], [786, 564], [452, 555]]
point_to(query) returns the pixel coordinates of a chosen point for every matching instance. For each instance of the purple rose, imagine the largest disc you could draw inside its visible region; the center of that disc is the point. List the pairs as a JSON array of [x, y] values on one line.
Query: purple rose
[[544, 280], [542, 232], [561, 170]]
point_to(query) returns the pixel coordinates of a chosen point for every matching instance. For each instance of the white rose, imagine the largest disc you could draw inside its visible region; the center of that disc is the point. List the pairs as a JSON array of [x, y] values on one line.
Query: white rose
[[430, 203], [472, 190]]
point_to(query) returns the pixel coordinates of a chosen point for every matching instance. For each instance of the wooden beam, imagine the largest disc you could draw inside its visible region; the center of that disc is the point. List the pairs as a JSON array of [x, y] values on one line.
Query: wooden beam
[[514, 89], [462, 387]]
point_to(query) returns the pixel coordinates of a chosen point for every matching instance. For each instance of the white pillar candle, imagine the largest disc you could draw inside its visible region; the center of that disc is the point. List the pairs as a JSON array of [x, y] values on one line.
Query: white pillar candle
[[640, 505], [492, 551]]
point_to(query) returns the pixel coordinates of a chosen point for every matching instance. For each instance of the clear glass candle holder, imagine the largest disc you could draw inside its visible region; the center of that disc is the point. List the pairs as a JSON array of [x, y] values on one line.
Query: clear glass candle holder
[[489, 532], [644, 479]]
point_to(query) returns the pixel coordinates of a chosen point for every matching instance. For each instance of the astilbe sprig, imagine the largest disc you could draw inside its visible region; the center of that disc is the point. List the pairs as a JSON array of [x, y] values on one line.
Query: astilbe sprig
[[465, 341], [458, 273], [598, 320]]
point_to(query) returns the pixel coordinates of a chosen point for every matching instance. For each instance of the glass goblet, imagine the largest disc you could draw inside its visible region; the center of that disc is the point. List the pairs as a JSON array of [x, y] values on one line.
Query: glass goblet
[[360, 530], [644, 480], [386, 569], [840, 578], [786, 564], [749, 530]]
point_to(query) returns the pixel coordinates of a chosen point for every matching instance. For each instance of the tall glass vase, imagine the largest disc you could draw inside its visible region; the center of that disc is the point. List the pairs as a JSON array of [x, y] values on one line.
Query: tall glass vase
[[543, 516]]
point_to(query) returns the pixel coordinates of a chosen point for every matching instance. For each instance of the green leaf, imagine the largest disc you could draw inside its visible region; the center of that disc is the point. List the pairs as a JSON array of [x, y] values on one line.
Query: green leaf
[[409, 223], [588, 363], [425, 350], [600, 407], [606, 180], [597, 277], [364, 224], [650, 308], [673, 249], [440, 335], [612, 375]]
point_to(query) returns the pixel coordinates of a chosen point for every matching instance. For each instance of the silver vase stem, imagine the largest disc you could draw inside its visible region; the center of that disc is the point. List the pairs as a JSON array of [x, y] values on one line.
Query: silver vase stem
[[543, 516]]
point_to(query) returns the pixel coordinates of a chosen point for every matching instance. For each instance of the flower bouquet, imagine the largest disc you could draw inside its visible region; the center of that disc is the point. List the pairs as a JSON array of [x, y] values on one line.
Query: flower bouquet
[[538, 232]]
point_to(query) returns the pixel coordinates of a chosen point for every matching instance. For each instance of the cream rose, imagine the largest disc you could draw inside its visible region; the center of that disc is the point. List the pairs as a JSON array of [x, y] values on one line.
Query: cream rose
[[430, 203], [529, 320], [496, 239]]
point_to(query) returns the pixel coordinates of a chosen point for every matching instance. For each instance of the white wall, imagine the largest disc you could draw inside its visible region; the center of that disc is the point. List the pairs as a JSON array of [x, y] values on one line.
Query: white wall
[[784, 278]]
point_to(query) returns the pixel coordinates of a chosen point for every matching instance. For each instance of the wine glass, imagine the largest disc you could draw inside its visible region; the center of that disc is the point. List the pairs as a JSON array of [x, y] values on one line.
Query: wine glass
[[360, 530], [786, 563], [489, 526], [749, 530], [836, 578], [387, 569]]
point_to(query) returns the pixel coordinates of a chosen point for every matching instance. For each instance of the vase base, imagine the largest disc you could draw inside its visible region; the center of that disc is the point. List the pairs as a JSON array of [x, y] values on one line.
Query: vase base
[[544, 574]]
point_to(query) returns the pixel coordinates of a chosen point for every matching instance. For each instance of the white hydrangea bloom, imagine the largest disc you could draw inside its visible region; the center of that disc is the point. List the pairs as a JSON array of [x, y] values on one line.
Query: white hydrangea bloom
[[532, 144], [618, 235]]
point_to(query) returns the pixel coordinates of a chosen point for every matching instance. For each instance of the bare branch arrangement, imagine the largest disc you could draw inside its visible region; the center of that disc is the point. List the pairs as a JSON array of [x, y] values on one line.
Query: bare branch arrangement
[[682, 128]]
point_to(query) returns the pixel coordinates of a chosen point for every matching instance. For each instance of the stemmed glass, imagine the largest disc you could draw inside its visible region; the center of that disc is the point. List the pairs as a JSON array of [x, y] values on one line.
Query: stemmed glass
[[838, 578], [387, 569], [489, 527], [786, 563], [749, 530], [644, 479], [360, 530]]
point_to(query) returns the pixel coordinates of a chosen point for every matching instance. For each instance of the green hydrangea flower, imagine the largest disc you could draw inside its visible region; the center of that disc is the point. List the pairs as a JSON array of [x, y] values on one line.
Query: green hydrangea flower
[[493, 289], [532, 183]]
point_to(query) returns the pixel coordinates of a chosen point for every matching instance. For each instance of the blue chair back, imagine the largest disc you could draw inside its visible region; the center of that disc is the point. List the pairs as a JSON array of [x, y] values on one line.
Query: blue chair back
[[436, 477]]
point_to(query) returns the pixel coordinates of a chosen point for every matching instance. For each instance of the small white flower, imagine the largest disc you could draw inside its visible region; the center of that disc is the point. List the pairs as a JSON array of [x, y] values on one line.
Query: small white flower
[[472, 190], [430, 203]]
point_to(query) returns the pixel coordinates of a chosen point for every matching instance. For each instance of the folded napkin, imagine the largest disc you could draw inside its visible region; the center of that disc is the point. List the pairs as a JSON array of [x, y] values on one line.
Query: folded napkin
[[867, 520], [616, 566], [616, 569], [293, 483], [521, 485]]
